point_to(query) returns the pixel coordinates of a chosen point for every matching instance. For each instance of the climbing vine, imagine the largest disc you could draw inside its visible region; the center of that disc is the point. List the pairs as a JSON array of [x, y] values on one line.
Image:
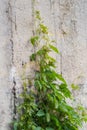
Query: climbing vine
[[44, 100]]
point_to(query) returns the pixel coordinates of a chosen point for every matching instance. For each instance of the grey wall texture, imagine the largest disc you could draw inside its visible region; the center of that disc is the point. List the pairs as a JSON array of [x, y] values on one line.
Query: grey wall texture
[[67, 22]]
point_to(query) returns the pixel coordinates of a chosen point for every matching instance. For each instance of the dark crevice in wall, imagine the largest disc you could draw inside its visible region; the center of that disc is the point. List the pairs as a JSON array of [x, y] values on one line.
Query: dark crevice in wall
[[15, 22], [11, 30], [15, 99], [12, 49], [12, 23]]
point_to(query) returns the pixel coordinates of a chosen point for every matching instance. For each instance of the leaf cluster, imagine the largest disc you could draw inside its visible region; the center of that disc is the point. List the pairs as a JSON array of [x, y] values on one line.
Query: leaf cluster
[[45, 107]]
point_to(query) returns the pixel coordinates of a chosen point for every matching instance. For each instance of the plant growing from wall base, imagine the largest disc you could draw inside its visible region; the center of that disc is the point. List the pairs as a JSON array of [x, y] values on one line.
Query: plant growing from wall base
[[45, 107]]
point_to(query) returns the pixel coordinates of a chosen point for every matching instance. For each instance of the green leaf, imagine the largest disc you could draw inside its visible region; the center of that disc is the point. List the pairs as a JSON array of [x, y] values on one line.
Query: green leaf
[[69, 126], [50, 97], [59, 95], [48, 117], [44, 28], [40, 113], [59, 76], [38, 128], [33, 57], [74, 87], [38, 15], [38, 84], [50, 58], [63, 107], [54, 48], [63, 88], [34, 40], [15, 125], [56, 121], [56, 103], [33, 127], [84, 118], [44, 77], [49, 128]]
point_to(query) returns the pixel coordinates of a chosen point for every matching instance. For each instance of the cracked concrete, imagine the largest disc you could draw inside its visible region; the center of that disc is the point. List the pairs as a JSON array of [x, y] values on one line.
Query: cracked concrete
[[67, 20]]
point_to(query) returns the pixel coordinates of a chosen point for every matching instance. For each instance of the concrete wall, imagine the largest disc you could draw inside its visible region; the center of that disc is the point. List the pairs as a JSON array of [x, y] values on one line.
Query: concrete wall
[[67, 20]]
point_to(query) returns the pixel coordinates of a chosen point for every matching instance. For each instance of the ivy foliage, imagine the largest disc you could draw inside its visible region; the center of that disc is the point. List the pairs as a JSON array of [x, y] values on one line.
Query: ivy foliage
[[45, 106]]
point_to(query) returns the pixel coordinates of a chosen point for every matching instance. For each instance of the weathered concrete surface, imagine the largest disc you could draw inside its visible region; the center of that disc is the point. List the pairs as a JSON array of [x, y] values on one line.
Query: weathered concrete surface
[[74, 44], [67, 22], [5, 65]]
